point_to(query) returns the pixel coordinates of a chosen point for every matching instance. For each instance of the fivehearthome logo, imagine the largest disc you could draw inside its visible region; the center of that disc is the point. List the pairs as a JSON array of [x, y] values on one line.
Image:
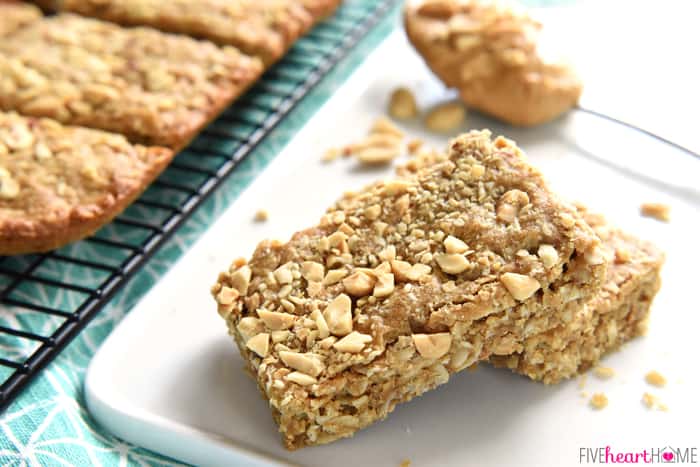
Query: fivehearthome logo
[[663, 455]]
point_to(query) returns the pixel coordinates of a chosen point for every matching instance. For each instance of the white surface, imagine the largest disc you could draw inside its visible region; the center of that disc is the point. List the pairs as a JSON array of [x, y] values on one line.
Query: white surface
[[170, 379]]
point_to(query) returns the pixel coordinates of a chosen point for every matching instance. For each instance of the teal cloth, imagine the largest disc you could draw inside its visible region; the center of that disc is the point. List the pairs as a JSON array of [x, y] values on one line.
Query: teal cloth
[[48, 423]]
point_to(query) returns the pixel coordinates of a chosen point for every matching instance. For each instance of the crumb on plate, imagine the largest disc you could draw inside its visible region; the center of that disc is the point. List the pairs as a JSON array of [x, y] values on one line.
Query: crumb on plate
[[582, 381], [655, 379], [603, 372], [414, 145], [261, 215], [402, 104], [650, 401], [658, 211], [599, 401], [331, 154], [446, 117]]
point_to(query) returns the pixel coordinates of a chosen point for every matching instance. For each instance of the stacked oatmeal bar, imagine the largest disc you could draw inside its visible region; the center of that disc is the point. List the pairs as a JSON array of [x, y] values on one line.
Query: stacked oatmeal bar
[[468, 259]]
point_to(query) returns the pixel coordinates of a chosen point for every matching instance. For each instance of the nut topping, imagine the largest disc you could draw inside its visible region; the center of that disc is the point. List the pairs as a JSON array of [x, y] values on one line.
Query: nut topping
[[548, 254], [9, 188], [283, 274], [240, 279], [321, 324], [338, 315], [438, 9], [259, 344], [279, 336], [432, 345], [275, 320], [373, 212], [227, 295], [17, 137], [400, 269], [249, 327], [334, 276], [521, 287], [353, 342], [42, 151], [359, 284], [510, 204], [455, 245], [418, 271], [312, 271], [452, 263], [300, 378], [307, 363], [384, 286]]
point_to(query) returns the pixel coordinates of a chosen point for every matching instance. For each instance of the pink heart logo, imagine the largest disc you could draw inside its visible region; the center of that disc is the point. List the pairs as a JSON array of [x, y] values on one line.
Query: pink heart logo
[[668, 456]]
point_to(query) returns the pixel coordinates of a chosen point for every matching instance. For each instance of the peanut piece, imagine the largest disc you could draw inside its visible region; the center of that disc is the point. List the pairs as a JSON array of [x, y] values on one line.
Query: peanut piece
[[445, 117], [455, 245], [384, 286], [312, 271], [259, 344], [386, 126], [510, 204], [283, 274], [275, 320], [240, 279], [338, 315], [307, 363], [359, 284], [660, 212], [402, 104], [249, 327], [300, 378], [432, 345], [353, 342], [520, 286], [452, 263], [334, 276], [376, 155], [548, 254]]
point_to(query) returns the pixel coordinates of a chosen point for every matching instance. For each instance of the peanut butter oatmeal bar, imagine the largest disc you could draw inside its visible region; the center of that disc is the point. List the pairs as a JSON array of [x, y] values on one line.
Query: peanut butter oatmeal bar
[[403, 284], [59, 184], [615, 315], [493, 56], [14, 15], [152, 87], [263, 28]]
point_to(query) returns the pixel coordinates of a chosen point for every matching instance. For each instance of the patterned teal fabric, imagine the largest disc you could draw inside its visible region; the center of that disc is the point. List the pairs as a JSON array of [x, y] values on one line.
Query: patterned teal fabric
[[48, 424]]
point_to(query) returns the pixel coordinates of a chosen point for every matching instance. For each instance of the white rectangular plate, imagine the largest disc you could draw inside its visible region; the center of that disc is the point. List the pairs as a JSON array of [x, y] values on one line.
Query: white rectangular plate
[[170, 379]]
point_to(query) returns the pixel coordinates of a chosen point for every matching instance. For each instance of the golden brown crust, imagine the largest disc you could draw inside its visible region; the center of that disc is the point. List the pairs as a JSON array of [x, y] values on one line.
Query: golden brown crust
[[14, 14], [59, 184], [492, 55], [155, 88], [615, 315], [262, 28], [404, 283], [321, 9]]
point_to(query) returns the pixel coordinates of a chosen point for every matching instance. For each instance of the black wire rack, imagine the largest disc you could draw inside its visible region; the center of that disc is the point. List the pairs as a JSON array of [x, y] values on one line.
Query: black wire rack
[[38, 286]]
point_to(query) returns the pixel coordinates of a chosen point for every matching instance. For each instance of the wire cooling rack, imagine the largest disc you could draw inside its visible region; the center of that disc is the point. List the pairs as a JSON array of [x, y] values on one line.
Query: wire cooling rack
[[35, 289]]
